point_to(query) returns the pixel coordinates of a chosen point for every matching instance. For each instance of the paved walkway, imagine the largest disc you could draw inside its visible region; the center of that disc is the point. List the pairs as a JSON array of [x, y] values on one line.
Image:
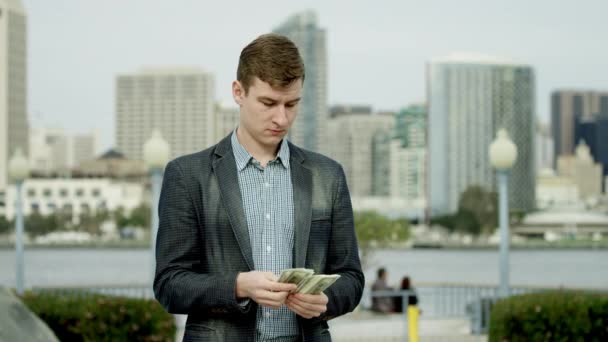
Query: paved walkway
[[365, 326]]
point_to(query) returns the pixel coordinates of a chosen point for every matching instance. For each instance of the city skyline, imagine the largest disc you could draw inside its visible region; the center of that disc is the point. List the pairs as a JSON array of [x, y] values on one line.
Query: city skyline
[[74, 54]]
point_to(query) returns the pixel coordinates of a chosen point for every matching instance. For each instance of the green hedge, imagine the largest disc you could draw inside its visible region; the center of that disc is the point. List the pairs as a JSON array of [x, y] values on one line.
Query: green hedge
[[551, 316], [88, 317]]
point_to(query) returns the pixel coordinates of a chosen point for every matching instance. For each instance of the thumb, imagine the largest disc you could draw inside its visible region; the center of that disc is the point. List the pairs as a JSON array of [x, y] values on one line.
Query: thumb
[[283, 287], [270, 276]]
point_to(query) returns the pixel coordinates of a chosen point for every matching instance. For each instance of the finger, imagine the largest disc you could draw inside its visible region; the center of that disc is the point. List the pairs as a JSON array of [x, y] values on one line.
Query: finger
[[275, 297], [282, 287], [298, 309], [312, 298], [310, 307], [270, 276]]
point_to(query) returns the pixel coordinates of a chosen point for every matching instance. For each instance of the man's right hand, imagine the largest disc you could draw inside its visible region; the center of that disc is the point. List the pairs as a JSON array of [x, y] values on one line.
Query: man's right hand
[[263, 288]]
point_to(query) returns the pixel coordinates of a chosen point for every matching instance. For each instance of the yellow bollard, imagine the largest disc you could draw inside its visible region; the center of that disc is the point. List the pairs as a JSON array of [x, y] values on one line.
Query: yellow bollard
[[412, 321]]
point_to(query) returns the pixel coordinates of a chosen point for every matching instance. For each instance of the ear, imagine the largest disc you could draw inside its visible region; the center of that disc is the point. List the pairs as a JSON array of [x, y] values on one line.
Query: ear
[[238, 93]]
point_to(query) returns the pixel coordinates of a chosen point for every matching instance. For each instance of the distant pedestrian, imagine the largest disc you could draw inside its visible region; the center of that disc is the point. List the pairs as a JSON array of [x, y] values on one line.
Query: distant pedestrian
[[382, 304], [412, 298]]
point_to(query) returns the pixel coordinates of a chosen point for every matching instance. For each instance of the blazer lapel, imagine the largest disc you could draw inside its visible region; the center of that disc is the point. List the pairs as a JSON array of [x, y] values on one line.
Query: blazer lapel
[[301, 178], [230, 192]]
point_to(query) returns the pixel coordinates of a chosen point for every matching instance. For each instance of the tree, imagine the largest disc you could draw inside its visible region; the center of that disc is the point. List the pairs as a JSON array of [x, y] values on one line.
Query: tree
[[140, 216], [5, 225], [483, 205], [463, 221], [37, 225], [374, 230]]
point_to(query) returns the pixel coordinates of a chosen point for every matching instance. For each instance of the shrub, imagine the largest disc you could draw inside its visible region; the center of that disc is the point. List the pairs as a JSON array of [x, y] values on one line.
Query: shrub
[[89, 317], [551, 316]]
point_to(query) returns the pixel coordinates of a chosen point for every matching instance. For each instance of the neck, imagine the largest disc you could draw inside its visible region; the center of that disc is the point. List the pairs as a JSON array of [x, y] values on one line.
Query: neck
[[261, 153]]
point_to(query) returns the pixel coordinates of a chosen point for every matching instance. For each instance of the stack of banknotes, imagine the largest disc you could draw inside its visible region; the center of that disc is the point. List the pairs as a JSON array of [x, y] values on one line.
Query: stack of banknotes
[[307, 281]]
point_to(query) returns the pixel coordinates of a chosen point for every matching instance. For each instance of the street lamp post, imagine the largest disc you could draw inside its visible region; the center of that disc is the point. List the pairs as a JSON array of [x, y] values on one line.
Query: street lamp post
[[503, 154], [156, 155], [18, 171]]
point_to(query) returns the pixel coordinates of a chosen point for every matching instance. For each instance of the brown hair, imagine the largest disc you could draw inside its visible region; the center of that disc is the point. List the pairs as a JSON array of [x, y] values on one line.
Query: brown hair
[[272, 58]]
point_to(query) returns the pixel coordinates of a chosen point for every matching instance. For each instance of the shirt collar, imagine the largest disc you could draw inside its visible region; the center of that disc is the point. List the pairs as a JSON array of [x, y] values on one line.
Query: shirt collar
[[242, 157]]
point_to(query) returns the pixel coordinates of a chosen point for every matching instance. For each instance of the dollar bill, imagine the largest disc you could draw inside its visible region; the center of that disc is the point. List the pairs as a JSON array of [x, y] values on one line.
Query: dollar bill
[[295, 275], [317, 283]]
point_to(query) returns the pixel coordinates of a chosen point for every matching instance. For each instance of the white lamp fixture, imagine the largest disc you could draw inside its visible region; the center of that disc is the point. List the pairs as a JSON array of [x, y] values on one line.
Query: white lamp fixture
[[503, 151], [18, 168], [156, 151]]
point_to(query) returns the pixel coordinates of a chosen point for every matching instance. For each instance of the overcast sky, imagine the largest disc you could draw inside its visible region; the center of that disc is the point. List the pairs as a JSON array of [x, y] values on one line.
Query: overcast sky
[[377, 50]]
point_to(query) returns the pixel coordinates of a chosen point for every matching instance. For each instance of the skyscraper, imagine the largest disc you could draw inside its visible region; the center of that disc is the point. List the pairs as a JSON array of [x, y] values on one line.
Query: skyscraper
[[55, 152], [410, 126], [399, 157], [309, 129], [227, 118], [569, 107], [544, 147], [594, 132], [470, 98], [580, 167], [350, 142], [13, 88], [177, 101]]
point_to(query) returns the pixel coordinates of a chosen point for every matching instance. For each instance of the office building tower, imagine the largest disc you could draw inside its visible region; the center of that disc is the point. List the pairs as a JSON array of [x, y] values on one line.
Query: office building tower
[[350, 142], [13, 85], [310, 128], [471, 97], [569, 107], [177, 101]]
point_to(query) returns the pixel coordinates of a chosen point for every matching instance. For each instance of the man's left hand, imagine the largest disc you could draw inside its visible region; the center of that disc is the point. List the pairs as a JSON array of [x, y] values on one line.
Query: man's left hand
[[307, 305]]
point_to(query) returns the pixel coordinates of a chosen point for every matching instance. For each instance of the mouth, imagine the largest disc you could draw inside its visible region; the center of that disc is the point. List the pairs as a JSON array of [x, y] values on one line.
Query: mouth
[[276, 132]]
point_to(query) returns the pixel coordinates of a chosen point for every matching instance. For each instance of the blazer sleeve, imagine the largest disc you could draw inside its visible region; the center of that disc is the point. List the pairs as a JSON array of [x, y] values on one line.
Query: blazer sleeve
[[343, 255], [179, 285]]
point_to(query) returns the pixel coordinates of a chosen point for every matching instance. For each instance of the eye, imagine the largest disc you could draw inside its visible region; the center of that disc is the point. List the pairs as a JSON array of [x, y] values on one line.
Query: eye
[[268, 104]]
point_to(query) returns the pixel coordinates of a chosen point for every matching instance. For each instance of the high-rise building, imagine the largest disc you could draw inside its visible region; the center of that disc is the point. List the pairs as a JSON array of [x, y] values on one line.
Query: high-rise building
[[227, 117], [407, 171], [581, 168], [410, 126], [568, 107], [543, 146], [594, 132], [350, 142], [470, 98], [13, 85], [54, 152], [177, 101], [84, 147], [310, 128], [399, 157]]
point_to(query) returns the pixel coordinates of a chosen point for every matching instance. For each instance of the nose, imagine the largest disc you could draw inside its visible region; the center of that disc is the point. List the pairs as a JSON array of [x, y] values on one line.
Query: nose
[[280, 116]]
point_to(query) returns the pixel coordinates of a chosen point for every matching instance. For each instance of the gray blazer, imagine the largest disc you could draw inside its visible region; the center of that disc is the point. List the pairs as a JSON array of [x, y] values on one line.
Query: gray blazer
[[203, 242]]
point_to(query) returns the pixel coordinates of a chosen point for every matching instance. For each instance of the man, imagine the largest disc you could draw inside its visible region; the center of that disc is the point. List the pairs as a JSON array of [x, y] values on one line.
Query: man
[[382, 304], [232, 217]]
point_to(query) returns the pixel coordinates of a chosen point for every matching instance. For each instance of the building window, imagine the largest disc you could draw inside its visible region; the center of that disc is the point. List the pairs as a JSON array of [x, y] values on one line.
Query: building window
[[47, 192], [63, 192], [96, 192], [79, 192], [31, 192]]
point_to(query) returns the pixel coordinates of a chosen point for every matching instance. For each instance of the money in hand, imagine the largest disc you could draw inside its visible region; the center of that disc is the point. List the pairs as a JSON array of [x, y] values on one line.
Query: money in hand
[[317, 283], [295, 275]]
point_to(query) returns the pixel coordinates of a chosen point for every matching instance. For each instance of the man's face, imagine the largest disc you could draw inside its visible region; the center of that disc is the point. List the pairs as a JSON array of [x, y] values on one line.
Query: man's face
[[267, 113]]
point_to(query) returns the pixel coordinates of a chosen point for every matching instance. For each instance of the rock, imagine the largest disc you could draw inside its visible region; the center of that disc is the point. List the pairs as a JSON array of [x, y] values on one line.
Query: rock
[[18, 323]]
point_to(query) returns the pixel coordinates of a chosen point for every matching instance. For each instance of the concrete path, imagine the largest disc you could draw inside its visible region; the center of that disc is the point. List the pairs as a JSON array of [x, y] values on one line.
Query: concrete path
[[364, 326]]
